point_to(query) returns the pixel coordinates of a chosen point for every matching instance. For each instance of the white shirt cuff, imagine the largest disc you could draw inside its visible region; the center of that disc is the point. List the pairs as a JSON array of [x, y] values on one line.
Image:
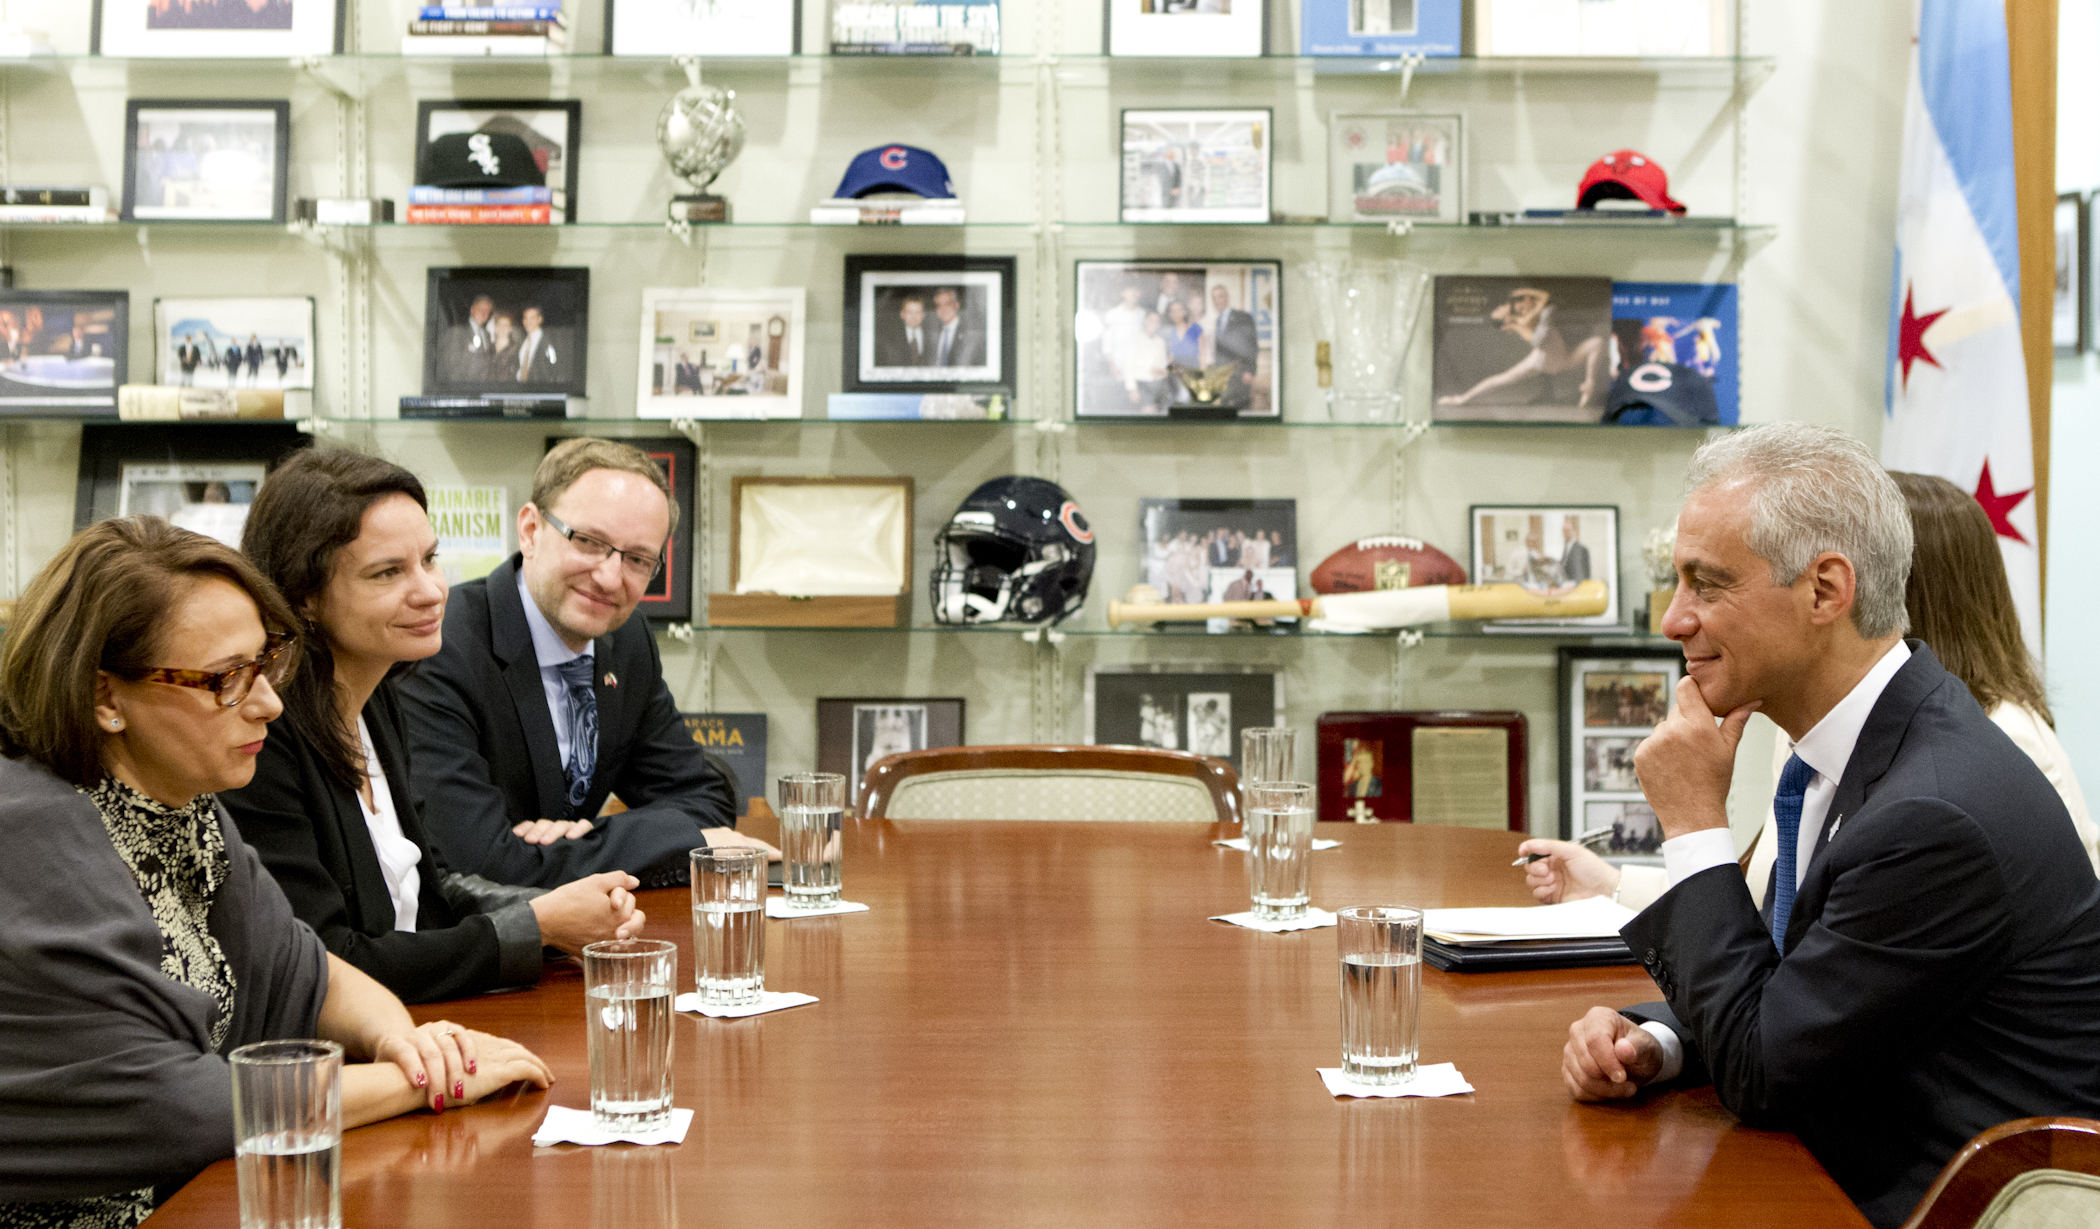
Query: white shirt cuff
[[1672, 1048], [1687, 855]]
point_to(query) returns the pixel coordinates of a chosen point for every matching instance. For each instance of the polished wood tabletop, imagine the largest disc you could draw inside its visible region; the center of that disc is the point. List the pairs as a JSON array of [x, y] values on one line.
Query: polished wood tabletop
[[1036, 1024]]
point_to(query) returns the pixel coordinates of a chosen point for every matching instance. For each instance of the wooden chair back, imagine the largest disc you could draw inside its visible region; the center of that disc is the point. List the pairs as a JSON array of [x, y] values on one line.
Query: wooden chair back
[[2023, 1174], [1009, 782]]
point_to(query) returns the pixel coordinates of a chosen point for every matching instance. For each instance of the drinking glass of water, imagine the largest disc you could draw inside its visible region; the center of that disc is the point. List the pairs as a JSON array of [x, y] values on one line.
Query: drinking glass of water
[[729, 925], [1381, 948], [1267, 753], [288, 1133], [627, 985], [1279, 820], [812, 810]]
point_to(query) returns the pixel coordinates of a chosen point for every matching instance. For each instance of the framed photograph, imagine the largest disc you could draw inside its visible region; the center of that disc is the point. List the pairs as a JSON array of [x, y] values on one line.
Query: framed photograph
[[1548, 549], [1379, 27], [1675, 355], [2071, 323], [720, 28], [205, 473], [1180, 708], [1610, 699], [710, 353], [929, 324], [193, 160], [63, 351], [1197, 166], [218, 29], [1521, 349], [1220, 550], [233, 343], [1388, 166], [1186, 27], [669, 598], [516, 329], [1143, 330], [854, 733], [551, 128], [1467, 769]]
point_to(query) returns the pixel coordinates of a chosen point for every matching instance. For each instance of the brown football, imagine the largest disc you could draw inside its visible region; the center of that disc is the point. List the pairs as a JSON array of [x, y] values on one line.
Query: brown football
[[1385, 563]]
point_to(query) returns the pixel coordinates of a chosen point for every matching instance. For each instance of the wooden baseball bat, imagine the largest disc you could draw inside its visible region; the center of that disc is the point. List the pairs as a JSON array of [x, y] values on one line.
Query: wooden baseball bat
[[1386, 608]]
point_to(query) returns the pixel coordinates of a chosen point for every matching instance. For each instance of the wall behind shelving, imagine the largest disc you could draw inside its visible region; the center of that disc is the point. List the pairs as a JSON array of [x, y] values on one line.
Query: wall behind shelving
[[1820, 163]]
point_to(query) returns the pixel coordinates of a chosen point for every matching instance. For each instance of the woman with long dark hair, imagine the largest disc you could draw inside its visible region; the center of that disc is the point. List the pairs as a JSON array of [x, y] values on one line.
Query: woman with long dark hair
[[347, 539]]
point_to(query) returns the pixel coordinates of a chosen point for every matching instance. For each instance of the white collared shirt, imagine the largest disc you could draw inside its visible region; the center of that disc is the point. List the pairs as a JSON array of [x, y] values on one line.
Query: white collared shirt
[[400, 861], [1826, 748], [551, 653]]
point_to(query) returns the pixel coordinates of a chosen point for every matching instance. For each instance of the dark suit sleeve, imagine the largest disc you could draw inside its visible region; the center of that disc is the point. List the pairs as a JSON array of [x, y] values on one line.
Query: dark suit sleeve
[[277, 813], [666, 779], [1915, 923]]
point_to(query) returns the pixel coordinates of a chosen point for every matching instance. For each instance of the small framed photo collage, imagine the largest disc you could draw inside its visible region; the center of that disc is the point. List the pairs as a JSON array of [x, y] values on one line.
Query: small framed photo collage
[[1611, 699]]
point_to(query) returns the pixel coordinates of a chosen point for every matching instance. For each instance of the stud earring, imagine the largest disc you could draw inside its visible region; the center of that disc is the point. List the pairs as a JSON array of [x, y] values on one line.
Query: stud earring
[[116, 723]]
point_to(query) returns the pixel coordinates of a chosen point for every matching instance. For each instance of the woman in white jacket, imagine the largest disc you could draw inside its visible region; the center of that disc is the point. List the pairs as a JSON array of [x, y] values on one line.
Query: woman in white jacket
[[1960, 604]]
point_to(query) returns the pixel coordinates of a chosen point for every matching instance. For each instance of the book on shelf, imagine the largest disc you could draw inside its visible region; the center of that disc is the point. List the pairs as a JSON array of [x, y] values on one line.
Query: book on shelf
[[915, 27], [482, 215], [57, 213], [167, 403], [495, 405], [490, 12], [888, 211], [479, 46], [424, 194], [552, 30], [54, 196]]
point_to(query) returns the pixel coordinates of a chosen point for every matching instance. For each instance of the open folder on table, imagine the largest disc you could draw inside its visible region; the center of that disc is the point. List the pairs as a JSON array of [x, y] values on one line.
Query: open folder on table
[[1575, 935]]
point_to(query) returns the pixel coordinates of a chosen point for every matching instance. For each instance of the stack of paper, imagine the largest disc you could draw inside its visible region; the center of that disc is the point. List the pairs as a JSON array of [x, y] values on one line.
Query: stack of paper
[[1584, 932]]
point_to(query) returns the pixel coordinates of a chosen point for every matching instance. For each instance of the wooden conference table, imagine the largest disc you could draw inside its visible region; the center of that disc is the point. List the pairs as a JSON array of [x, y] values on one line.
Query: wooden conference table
[[1036, 1025]]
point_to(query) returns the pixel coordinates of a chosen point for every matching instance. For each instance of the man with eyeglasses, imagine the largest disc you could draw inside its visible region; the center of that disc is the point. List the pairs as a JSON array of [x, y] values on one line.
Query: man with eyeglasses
[[548, 697]]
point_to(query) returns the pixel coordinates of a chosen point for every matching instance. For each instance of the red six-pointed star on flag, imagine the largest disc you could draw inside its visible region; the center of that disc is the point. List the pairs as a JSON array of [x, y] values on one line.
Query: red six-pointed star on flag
[[1999, 507], [1910, 337]]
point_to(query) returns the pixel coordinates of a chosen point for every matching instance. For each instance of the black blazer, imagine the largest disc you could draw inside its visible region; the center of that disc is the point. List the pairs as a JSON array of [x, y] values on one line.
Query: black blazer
[[311, 834], [1942, 968], [486, 758]]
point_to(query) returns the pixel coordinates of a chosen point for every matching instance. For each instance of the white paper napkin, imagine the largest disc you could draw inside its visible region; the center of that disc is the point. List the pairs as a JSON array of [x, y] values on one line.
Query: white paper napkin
[[777, 906], [1431, 1080], [571, 1126], [768, 1000], [1240, 843], [1313, 920]]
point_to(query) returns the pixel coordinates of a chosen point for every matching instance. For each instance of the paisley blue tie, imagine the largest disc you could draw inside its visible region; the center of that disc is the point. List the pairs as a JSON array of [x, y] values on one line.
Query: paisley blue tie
[[583, 728], [1786, 814]]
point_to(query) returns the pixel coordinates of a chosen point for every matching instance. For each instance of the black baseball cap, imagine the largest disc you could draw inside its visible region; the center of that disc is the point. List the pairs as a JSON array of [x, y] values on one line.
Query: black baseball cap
[[480, 160], [1662, 395]]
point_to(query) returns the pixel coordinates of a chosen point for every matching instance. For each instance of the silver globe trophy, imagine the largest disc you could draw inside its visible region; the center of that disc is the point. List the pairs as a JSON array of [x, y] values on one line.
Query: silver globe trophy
[[1365, 320], [701, 132]]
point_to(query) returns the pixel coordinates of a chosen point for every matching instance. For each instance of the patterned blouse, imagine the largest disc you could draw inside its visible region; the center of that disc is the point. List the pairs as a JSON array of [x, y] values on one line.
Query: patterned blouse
[[178, 859]]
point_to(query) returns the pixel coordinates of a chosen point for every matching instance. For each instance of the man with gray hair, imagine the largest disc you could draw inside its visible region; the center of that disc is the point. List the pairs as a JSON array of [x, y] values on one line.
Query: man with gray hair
[[1927, 961]]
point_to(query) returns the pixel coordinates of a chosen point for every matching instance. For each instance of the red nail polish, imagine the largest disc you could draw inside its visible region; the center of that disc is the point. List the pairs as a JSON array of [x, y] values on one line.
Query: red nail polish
[[473, 1068], [439, 1104], [421, 1079], [459, 1090]]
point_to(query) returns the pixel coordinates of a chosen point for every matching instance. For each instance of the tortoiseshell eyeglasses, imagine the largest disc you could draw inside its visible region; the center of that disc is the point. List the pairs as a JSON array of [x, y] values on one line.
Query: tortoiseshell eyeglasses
[[230, 686]]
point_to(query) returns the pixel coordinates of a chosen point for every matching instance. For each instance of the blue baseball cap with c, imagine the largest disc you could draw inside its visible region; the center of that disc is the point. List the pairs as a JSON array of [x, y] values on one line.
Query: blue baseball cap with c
[[895, 168]]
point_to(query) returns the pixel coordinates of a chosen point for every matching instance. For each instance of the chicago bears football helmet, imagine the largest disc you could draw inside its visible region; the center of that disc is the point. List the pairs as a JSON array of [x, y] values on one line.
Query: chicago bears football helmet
[[1018, 550]]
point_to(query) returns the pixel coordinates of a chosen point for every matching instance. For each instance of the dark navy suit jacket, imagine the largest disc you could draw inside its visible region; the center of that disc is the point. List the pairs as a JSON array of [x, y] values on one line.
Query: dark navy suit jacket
[[1942, 967]]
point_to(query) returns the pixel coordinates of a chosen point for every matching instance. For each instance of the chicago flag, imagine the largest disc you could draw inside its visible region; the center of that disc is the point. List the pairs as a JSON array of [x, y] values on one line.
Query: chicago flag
[[1957, 381]]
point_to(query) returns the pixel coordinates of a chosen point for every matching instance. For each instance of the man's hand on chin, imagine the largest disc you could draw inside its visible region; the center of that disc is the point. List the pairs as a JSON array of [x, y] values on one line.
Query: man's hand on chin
[[1608, 1057], [1685, 766]]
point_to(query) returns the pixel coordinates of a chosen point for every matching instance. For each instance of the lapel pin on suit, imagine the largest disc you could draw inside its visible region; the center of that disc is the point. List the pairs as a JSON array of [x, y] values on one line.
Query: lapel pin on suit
[[1834, 826], [611, 679]]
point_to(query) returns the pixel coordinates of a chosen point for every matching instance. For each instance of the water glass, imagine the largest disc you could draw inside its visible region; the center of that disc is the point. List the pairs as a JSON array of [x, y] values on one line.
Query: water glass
[[288, 1134], [1381, 947], [729, 925], [1267, 753], [812, 811], [627, 986], [1279, 825]]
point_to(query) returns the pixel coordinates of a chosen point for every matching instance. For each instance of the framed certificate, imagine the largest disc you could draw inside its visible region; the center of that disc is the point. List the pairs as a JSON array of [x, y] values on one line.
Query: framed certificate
[[1466, 769]]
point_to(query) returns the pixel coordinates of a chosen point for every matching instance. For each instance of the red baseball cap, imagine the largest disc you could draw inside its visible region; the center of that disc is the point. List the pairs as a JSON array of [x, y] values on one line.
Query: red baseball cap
[[1626, 174]]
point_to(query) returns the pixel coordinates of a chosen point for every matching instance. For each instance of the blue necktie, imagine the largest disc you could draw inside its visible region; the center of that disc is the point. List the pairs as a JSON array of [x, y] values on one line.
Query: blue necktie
[[1786, 812], [583, 727], [941, 359]]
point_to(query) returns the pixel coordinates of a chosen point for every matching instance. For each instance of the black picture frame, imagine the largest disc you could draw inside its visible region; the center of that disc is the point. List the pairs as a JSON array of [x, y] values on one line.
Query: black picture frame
[[450, 363], [841, 718], [571, 145], [225, 44], [106, 448], [1131, 706], [1095, 385], [872, 279], [29, 338], [143, 110], [1584, 672], [669, 598]]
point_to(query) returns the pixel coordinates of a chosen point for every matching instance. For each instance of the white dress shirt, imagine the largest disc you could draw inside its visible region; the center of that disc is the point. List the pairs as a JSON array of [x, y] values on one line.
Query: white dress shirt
[[1826, 748], [549, 650], [400, 862]]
